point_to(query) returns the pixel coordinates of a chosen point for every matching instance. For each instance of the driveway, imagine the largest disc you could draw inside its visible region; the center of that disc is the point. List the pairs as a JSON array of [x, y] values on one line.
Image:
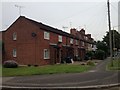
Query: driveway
[[97, 77]]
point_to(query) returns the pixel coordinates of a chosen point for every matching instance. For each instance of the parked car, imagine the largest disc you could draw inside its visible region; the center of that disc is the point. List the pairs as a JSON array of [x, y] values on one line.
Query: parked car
[[68, 60]]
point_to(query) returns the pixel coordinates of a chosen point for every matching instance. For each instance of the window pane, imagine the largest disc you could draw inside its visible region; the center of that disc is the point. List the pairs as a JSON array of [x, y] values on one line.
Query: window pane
[[71, 41], [76, 42], [14, 36], [46, 35], [14, 53], [60, 38], [46, 54]]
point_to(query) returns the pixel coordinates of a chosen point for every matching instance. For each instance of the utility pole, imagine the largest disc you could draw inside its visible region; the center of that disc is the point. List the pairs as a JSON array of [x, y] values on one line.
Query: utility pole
[[19, 7], [110, 34], [113, 42]]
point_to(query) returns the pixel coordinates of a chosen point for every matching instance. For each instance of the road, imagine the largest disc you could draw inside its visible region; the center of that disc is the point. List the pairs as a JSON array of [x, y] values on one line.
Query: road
[[97, 77]]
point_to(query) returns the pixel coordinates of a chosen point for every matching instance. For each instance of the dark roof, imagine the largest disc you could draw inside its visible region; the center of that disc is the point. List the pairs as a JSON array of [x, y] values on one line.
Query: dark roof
[[49, 28]]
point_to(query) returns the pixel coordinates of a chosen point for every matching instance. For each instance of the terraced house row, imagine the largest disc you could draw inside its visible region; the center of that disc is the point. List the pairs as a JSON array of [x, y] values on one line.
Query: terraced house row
[[32, 43]]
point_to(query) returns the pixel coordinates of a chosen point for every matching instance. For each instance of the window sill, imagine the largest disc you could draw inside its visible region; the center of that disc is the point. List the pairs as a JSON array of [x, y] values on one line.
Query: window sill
[[46, 58]]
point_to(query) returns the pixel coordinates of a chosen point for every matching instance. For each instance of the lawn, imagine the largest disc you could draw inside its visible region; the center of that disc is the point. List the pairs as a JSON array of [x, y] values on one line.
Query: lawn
[[0, 70], [116, 65], [48, 69]]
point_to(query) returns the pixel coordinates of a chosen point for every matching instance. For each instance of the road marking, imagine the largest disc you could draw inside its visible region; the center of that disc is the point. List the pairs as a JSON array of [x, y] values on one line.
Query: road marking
[[85, 87]]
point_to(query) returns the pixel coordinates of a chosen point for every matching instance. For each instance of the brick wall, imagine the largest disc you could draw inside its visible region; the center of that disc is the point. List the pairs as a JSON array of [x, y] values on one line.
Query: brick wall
[[30, 48]]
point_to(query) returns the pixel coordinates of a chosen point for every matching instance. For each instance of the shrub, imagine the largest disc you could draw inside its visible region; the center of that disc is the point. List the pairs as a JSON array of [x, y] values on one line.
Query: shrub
[[83, 63], [29, 65], [89, 62], [77, 58], [86, 57], [10, 64], [89, 55], [100, 54], [36, 65]]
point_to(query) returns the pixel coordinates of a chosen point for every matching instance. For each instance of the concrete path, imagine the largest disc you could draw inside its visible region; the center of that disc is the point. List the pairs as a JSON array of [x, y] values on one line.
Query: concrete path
[[97, 77]]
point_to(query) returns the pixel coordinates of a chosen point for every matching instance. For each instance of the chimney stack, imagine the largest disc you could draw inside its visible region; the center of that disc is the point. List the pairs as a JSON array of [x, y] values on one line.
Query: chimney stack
[[73, 31]]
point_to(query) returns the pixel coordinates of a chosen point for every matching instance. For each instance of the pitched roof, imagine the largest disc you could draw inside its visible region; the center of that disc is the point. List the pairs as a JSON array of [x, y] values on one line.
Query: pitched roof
[[49, 28]]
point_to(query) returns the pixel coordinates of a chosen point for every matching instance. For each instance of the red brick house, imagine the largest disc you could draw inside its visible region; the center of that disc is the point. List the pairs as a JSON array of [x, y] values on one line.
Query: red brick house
[[32, 43], [85, 41]]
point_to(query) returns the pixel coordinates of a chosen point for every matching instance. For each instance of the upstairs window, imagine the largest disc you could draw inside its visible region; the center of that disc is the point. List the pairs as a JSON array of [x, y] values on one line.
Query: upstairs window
[[46, 35], [86, 38], [46, 54], [83, 44], [60, 38], [71, 41], [14, 36], [14, 53], [76, 42]]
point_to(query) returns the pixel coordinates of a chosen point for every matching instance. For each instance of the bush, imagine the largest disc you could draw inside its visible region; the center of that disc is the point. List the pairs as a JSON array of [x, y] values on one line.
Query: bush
[[77, 58], [10, 64], [100, 54], [89, 62], [89, 55], [36, 65], [29, 65], [83, 63], [86, 57]]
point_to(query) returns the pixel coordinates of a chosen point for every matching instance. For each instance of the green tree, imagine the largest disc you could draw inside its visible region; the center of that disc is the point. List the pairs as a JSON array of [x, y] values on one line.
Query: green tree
[[102, 46], [116, 41], [90, 54], [100, 54]]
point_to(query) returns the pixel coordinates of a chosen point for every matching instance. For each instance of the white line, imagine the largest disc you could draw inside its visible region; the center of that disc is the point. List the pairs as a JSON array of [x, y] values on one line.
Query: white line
[[85, 87]]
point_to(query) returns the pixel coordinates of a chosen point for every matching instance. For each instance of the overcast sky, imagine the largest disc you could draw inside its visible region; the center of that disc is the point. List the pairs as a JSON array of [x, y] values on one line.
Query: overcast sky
[[78, 14]]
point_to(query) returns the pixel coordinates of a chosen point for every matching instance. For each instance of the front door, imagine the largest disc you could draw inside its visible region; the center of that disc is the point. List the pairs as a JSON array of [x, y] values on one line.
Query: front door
[[55, 54]]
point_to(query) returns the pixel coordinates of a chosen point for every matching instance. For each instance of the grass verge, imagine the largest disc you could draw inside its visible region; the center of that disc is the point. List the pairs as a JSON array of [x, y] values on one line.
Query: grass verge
[[116, 65], [49, 69], [0, 70]]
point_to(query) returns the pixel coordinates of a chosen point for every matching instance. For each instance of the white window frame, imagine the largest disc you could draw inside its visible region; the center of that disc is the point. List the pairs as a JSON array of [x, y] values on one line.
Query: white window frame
[[14, 36], [46, 35], [14, 53], [86, 38], [71, 41], [76, 42], [46, 54], [76, 52], [83, 43], [60, 38]]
